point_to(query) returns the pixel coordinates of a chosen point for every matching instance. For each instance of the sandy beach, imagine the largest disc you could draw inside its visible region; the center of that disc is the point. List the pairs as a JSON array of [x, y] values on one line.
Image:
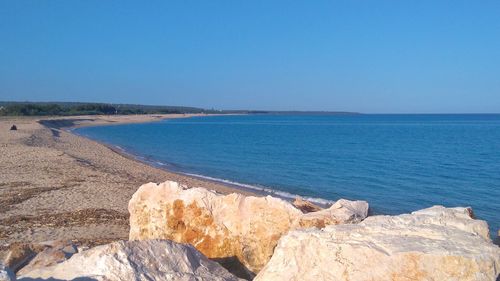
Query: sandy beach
[[56, 185]]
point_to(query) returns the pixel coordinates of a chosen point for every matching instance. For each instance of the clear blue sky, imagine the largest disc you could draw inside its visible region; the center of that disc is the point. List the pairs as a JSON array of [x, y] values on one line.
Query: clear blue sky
[[366, 56]]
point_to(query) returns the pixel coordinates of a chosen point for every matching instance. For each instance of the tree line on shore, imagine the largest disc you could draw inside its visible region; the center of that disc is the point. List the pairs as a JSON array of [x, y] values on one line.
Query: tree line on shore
[[79, 108], [70, 109]]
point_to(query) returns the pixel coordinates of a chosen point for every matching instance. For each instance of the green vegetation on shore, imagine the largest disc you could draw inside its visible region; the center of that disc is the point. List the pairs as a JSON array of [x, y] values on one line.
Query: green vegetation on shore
[[73, 108], [79, 108]]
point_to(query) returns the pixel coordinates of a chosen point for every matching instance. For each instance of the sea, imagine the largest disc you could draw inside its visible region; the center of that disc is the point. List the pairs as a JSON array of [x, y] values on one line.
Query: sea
[[398, 163]]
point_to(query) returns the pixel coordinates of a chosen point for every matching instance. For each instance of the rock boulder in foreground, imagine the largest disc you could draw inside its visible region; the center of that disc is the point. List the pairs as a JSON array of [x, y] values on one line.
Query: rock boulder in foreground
[[432, 244], [238, 231], [135, 260]]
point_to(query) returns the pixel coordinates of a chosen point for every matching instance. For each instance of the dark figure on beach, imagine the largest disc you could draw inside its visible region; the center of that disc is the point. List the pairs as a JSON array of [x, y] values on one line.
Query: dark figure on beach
[[13, 128]]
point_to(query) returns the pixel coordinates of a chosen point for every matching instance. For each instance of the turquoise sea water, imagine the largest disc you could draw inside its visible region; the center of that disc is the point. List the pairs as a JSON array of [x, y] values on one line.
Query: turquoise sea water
[[398, 163]]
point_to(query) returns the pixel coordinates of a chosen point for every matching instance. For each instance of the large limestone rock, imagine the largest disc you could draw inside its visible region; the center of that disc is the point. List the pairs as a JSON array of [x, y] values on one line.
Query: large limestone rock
[[240, 232], [135, 260], [432, 244]]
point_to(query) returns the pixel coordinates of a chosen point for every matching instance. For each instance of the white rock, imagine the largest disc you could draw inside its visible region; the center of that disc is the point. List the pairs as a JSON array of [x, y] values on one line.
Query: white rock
[[135, 260], [461, 218], [431, 244], [240, 231], [341, 212]]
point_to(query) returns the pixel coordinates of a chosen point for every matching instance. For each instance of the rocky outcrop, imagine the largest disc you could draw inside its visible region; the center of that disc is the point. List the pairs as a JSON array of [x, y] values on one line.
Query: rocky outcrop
[[135, 260], [305, 206], [240, 232], [6, 273], [432, 244], [22, 256], [55, 252], [19, 254], [341, 212]]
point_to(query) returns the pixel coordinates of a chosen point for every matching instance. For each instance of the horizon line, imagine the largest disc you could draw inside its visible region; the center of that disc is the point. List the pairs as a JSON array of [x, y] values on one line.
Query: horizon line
[[261, 110]]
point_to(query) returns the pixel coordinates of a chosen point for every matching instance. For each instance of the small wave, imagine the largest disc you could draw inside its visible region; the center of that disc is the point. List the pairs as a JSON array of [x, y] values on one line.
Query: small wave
[[266, 190]]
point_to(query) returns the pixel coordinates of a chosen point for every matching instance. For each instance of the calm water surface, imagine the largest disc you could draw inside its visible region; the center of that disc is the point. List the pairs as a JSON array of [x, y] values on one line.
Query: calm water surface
[[398, 163]]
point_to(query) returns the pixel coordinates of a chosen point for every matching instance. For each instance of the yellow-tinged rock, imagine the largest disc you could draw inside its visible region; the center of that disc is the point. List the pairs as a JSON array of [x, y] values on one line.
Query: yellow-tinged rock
[[305, 206], [239, 231]]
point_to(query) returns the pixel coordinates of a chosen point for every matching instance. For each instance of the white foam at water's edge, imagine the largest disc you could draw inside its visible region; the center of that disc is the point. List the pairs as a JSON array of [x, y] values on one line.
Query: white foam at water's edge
[[282, 194], [266, 190]]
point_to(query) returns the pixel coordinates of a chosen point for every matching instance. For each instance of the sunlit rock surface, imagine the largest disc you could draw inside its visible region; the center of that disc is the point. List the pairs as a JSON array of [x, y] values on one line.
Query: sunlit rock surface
[[341, 212], [238, 231], [135, 260], [432, 244]]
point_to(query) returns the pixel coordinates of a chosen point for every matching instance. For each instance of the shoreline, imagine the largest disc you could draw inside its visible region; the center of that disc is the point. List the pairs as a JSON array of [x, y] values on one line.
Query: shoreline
[[140, 159], [246, 189], [237, 188], [57, 185]]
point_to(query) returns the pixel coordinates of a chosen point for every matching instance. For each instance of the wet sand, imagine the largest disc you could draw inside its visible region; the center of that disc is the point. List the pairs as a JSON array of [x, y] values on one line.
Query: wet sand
[[55, 185]]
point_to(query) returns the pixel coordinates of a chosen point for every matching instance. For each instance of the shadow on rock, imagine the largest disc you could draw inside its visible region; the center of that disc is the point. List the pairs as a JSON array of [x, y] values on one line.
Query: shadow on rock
[[233, 265]]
